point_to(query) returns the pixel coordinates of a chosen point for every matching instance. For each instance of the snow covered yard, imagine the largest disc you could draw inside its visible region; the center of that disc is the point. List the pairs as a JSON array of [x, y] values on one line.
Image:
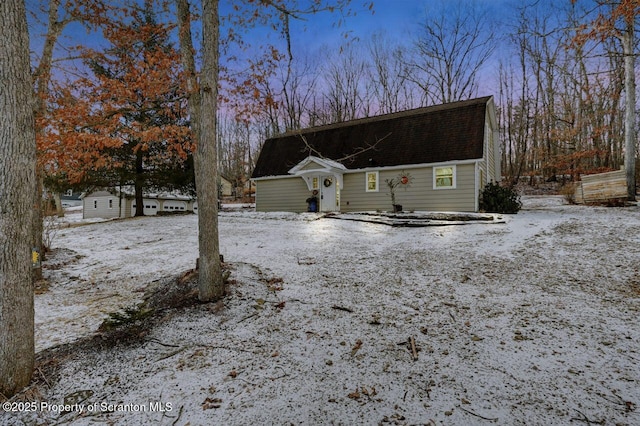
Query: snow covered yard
[[529, 322]]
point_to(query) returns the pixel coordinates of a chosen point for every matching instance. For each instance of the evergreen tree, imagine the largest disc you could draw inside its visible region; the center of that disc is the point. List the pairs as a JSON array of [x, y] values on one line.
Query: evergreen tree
[[127, 125]]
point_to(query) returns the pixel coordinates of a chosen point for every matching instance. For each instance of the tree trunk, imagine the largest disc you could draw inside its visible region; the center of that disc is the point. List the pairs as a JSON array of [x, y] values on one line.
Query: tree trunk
[[41, 77], [17, 198], [210, 282], [202, 111], [630, 113], [138, 185], [58, 201]]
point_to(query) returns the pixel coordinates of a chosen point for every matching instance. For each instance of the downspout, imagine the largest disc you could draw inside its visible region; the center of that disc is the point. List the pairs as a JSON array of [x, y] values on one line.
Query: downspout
[[477, 186]]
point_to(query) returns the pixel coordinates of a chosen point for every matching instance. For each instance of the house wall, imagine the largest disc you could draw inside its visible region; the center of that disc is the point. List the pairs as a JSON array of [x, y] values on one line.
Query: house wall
[[312, 166], [96, 205], [283, 194], [226, 188], [419, 195], [290, 193]]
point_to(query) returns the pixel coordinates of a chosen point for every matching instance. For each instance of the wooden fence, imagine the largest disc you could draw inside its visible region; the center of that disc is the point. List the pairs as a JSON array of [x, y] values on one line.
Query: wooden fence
[[602, 187]]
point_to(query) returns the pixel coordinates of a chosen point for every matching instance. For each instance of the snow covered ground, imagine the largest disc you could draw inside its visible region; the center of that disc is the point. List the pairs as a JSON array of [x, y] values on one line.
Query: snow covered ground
[[529, 322]]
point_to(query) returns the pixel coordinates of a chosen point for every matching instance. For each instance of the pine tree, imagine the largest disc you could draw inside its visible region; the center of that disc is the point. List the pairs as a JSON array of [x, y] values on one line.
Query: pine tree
[[127, 125]]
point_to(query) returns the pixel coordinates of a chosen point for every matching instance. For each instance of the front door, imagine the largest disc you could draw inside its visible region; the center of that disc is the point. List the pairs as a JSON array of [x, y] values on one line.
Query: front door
[[328, 199]]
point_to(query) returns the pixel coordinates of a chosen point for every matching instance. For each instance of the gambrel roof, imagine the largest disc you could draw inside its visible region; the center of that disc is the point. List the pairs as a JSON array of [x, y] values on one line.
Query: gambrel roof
[[435, 134]]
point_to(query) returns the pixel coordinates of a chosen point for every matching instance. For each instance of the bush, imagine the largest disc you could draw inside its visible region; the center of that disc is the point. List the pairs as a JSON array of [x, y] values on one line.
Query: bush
[[498, 199], [568, 192]]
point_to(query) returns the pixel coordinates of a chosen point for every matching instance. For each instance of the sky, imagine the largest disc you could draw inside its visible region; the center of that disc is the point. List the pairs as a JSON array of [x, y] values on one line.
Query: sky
[[398, 19], [316, 36]]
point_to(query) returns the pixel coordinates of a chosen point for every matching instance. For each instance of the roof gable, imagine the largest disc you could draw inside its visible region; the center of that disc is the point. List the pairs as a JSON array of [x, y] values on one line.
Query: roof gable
[[441, 133], [315, 163]]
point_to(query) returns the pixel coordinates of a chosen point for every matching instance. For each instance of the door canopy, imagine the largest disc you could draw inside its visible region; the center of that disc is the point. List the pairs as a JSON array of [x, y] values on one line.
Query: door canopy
[[313, 166]]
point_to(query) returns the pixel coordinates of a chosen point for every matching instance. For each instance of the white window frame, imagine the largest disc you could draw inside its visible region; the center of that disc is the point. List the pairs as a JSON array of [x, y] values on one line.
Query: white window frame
[[111, 203], [366, 181], [453, 178], [315, 183], [95, 204]]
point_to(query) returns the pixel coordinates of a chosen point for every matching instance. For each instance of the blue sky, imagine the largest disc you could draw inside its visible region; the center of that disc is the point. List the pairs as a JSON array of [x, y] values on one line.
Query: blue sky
[[399, 19]]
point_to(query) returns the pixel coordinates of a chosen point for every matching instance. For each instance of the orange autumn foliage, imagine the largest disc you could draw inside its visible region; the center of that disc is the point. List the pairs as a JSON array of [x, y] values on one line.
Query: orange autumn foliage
[[126, 120]]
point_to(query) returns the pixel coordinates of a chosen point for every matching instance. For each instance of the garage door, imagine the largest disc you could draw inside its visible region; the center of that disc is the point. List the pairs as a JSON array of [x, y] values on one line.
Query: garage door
[[151, 207], [174, 206]]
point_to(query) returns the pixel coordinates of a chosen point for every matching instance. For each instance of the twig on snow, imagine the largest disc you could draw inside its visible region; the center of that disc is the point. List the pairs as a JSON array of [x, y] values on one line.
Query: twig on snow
[[341, 308], [179, 415], [285, 374], [172, 353], [414, 350], [477, 415], [356, 347], [247, 317], [154, 340], [586, 419], [628, 405], [44, 378]]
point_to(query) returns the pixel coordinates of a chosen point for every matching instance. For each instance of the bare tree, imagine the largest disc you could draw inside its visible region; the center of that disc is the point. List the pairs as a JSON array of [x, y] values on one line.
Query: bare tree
[[456, 41], [17, 197], [344, 79], [616, 19], [210, 282], [628, 43], [203, 96], [391, 88]]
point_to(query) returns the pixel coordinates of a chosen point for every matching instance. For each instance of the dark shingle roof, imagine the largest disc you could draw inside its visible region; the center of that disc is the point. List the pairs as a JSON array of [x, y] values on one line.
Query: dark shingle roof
[[440, 133]]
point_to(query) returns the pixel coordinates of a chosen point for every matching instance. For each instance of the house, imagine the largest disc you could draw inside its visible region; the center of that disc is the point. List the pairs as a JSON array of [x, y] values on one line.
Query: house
[[121, 203], [436, 158], [70, 198], [226, 187]]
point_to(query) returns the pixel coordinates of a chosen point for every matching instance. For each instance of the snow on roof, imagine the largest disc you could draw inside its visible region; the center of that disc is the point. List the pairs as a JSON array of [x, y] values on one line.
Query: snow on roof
[[129, 191]]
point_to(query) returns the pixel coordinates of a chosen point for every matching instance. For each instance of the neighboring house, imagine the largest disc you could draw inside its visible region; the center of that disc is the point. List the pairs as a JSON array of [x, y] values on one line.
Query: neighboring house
[[439, 157], [226, 187], [109, 204], [71, 199]]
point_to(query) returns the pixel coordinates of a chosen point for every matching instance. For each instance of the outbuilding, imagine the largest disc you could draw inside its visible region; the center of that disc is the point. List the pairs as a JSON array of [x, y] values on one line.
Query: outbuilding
[[113, 203]]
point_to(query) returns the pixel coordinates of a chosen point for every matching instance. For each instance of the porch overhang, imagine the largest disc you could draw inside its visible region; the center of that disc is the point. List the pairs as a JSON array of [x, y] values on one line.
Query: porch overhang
[[313, 166]]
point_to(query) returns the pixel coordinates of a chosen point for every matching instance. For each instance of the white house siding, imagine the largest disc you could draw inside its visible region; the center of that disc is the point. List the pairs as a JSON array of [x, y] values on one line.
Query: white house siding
[[97, 205], [419, 195], [285, 194], [226, 187], [312, 166]]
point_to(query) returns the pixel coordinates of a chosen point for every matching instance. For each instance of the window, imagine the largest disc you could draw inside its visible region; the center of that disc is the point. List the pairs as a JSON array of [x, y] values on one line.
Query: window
[[444, 177], [315, 183], [371, 181], [95, 204], [110, 204], [69, 193]]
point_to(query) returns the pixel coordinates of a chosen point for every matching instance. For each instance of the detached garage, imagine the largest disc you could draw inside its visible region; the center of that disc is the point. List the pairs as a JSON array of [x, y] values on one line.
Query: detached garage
[[151, 207], [174, 206], [108, 204]]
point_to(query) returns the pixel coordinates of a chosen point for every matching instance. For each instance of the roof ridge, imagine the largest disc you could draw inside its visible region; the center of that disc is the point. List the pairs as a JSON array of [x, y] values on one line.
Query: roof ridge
[[388, 116]]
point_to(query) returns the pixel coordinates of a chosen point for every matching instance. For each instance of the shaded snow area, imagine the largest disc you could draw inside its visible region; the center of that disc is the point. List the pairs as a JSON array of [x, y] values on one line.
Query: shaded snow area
[[533, 321]]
